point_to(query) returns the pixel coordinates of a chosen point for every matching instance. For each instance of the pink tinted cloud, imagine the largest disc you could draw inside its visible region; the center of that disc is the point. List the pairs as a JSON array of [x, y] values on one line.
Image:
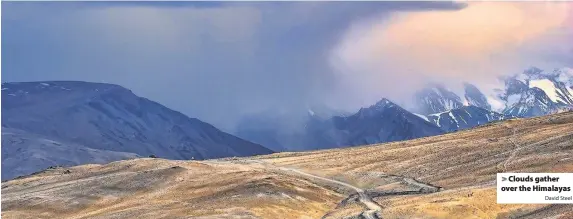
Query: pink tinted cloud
[[478, 43]]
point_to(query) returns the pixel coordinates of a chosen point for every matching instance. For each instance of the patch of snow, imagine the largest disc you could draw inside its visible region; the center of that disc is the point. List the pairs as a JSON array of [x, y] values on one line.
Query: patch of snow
[[311, 112], [548, 87], [45, 84], [466, 103], [5, 88], [569, 90], [454, 118], [422, 116], [469, 114], [438, 122]]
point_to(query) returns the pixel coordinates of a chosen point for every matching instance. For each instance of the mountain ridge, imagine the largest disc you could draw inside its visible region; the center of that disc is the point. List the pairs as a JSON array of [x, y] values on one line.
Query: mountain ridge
[[111, 118]]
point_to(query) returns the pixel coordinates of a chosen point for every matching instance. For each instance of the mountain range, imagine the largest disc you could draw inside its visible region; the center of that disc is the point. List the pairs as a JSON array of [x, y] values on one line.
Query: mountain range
[[68, 123], [531, 93], [56, 123]]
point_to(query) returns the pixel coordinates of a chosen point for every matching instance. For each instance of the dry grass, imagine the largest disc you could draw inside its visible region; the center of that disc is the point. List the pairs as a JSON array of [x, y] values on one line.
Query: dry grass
[[154, 188], [461, 163]]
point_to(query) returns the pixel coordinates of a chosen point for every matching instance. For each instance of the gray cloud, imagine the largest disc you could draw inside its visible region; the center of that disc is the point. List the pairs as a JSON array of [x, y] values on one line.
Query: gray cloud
[[213, 61]]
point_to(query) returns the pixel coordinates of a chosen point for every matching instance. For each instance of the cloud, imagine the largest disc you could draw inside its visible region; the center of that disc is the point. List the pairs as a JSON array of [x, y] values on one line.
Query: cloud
[[216, 62], [221, 61], [477, 43]]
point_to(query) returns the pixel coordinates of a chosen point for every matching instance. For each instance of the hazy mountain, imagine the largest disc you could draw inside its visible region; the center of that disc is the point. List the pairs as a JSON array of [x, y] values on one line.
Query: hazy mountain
[[24, 153], [381, 122], [536, 92], [475, 97], [109, 117], [435, 99]]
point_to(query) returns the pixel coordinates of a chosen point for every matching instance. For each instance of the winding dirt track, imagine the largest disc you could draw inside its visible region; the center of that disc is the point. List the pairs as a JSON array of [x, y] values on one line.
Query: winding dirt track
[[514, 151], [373, 207]]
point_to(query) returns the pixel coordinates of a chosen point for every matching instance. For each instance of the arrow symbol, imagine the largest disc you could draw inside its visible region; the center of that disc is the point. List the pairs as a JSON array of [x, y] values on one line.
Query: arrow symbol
[[503, 178]]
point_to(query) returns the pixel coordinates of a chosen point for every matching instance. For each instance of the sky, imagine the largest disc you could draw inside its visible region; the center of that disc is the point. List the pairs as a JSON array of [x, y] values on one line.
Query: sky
[[221, 61]]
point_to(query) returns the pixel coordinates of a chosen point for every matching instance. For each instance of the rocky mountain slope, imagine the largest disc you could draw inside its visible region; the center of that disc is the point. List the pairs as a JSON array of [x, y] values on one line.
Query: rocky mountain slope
[[536, 92], [382, 122], [24, 153], [464, 117], [533, 92], [108, 117], [437, 98], [475, 97]]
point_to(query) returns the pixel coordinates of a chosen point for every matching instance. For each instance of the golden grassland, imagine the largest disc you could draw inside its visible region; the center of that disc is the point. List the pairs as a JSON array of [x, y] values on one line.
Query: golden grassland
[[463, 163]]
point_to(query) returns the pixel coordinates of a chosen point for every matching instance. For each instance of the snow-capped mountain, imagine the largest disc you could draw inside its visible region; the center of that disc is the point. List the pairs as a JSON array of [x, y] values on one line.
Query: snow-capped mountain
[[464, 117], [536, 92], [531, 93], [109, 117], [381, 122], [475, 97], [437, 98]]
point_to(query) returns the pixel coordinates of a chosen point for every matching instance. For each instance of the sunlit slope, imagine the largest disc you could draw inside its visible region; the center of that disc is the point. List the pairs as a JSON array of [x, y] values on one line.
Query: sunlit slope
[[157, 188], [318, 184], [466, 158]]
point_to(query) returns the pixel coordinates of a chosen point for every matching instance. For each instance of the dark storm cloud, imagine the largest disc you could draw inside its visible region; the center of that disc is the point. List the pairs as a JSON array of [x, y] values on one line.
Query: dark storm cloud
[[213, 61]]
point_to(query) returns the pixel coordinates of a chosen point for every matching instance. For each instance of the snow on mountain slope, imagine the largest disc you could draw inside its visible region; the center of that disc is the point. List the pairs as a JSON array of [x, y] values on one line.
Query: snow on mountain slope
[[555, 90], [435, 99], [536, 92], [475, 97], [111, 118], [464, 117], [422, 116], [381, 122], [24, 153], [533, 102]]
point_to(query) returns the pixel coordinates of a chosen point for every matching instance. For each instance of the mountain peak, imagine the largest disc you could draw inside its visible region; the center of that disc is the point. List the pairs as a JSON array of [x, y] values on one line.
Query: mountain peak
[[379, 106], [437, 98], [383, 103], [475, 97]]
